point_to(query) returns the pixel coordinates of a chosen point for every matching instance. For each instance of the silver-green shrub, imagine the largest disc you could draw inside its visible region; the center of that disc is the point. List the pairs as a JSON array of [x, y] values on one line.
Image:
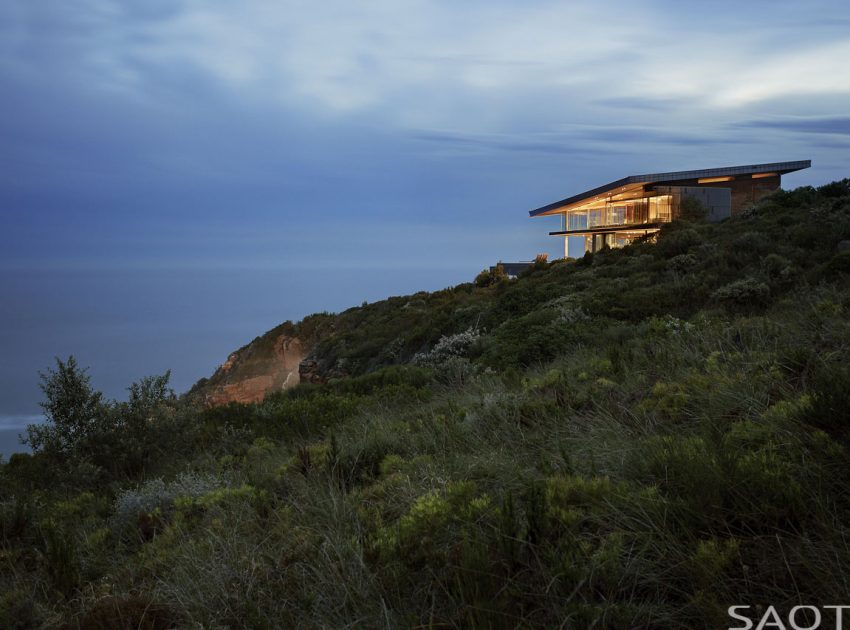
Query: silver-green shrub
[[448, 347], [157, 494]]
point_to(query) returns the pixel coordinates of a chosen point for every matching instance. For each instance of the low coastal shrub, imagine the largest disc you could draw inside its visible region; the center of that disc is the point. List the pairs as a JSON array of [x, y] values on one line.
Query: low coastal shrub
[[637, 438]]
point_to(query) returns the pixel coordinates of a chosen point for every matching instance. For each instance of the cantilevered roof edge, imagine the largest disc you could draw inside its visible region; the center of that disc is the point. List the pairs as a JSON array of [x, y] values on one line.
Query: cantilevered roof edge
[[777, 167], [589, 193]]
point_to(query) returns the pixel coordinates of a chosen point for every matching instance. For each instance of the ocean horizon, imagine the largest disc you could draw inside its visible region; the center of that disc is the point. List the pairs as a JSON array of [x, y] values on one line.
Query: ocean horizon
[[122, 325], [11, 427]]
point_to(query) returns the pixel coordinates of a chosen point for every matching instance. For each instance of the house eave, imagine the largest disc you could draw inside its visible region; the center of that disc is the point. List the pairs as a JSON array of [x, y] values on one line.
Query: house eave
[[779, 168]]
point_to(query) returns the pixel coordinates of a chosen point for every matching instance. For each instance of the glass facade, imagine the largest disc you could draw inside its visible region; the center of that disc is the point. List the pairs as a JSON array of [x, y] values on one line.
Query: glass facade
[[630, 212]]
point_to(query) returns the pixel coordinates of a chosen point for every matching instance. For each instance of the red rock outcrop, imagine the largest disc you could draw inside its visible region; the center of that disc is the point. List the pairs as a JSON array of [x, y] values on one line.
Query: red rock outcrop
[[251, 373]]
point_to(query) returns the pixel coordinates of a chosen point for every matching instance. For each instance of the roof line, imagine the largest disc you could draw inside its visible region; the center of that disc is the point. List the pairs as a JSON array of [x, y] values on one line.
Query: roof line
[[779, 167]]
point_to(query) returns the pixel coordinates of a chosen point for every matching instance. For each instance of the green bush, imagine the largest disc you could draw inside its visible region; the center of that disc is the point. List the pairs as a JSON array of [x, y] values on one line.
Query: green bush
[[686, 468], [835, 189], [830, 399], [838, 265], [611, 450], [128, 612], [744, 293], [677, 242], [692, 210], [491, 277], [117, 440], [75, 412], [18, 610]]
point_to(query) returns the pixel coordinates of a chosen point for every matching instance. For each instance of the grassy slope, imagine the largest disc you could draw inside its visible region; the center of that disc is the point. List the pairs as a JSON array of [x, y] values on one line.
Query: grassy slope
[[639, 438]]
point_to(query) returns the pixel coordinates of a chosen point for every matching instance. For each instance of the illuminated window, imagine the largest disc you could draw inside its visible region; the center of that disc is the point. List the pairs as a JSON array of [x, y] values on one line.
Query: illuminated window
[[660, 208]]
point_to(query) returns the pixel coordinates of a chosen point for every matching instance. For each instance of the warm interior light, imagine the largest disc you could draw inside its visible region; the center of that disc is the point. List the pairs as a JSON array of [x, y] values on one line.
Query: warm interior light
[[760, 175], [709, 180]]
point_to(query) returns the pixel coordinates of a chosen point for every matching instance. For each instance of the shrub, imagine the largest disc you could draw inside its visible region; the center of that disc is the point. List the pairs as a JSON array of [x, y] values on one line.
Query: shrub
[[686, 468], [805, 235], [778, 269], [766, 469], [18, 610], [837, 266], [747, 292], [63, 561], [135, 507], [568, 308], [683, 263], [491, 277], [127, 612], [692, 210], [677, 242], [241, 573], [666, 399], [455, 371], [436, 520], [293, 416], [16, 517], [711, 559], [534, 338], [835, 189], [653, 464], [830, 399], [72, 407], [84, 430], [448, 347], [752, 243], [360, 456]]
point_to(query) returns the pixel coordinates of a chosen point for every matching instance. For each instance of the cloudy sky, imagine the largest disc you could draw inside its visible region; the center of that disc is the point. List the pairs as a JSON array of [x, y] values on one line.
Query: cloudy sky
[[178, 177]]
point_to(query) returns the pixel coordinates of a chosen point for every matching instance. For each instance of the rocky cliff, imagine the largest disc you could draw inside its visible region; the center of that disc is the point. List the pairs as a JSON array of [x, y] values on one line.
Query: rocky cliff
[[249, 374], [279, 359]]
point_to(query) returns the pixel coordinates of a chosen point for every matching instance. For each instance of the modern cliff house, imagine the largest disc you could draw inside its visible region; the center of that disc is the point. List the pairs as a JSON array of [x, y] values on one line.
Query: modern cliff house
[[617, 213]]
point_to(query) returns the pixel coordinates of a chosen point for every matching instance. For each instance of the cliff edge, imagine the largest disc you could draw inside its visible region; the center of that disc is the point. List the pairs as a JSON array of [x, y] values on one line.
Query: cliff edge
[[267, 364]]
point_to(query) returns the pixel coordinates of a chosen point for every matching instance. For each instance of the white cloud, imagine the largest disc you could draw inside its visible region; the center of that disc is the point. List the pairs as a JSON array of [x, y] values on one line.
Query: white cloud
[[477, 67], [818, 69]]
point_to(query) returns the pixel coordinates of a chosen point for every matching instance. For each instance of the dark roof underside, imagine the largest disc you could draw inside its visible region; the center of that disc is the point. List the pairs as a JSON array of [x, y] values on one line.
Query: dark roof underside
[[609, 229], [774, 167]]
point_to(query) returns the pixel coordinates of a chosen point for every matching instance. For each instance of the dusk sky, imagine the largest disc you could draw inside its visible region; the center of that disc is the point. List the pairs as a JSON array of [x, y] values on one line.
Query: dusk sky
[[179, 177]]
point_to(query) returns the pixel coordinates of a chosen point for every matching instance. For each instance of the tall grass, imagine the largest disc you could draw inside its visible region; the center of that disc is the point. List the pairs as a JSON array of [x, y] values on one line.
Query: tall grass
[[633, 440]]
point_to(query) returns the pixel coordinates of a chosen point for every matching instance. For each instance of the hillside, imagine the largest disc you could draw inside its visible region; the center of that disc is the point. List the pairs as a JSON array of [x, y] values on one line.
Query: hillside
[[638, 438], [678, 278]]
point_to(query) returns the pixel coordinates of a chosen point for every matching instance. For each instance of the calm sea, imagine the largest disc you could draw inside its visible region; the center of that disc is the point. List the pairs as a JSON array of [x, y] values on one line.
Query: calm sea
[[10, 428], [127, 324]]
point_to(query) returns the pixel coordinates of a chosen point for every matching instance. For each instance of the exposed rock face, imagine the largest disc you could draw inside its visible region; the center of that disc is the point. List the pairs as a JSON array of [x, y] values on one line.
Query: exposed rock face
[[249, 374], [310, 371]]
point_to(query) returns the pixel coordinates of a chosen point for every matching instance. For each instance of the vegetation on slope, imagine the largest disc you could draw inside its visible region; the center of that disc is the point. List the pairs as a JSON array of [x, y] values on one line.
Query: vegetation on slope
[[639, 438]]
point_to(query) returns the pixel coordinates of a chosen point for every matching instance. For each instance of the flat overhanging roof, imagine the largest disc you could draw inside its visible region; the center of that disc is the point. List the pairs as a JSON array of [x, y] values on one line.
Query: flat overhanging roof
[[632, 183]]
